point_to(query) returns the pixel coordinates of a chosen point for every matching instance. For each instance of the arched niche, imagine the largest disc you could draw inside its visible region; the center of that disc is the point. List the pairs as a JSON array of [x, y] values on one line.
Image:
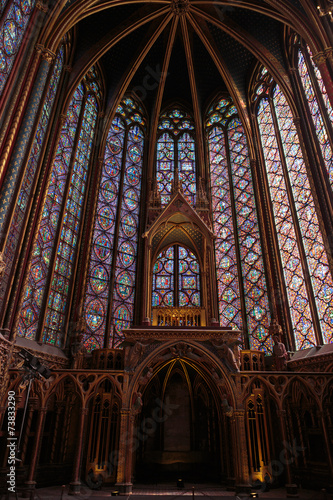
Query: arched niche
[[181, 430], [181, 224]]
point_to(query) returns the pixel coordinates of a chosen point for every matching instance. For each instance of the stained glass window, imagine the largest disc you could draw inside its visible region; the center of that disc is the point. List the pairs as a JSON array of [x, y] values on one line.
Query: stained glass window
[[29, 175], [319, 106], [236, 227], [287, 168], [125, 270], [60, 220], [176, 278], [12, 29], [163, 279], [109, 302], [176, 150]]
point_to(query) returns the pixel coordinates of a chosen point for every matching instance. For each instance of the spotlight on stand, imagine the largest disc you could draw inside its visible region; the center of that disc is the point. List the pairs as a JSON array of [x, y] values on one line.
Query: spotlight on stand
[[33, 369]]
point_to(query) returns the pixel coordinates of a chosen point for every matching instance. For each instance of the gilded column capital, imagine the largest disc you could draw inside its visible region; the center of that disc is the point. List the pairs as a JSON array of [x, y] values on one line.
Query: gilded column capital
[[319, 58], [125, 412], [62, 119], [329, 54], [297, 121], [45, 53], [239, 413], [41, 6]]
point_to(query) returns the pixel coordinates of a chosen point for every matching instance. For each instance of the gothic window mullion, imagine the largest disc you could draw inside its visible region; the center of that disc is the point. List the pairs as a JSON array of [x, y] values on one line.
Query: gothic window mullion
[[59, 227], [306, 271], [115, 243], [176, 274], [244, 327], [175, 166]]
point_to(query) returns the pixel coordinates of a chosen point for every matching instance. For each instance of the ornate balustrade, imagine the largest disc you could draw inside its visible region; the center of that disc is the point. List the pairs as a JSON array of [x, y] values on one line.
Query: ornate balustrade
[[252, 360], [108, 359], [179, 316]]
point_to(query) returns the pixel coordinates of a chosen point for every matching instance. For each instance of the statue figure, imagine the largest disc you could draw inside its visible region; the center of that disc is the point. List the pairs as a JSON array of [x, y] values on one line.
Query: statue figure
[[225, 352], [145, 378], [226, 408], [137, 402], [280, 354]]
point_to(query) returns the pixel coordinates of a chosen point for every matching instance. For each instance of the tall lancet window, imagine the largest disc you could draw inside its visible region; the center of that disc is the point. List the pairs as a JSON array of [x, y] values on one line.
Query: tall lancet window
[[317, 102], [13, 25], [307, 276], [239, 258], [54, 252], [176, 151], [20, 210], [176, 278], [110, 290]]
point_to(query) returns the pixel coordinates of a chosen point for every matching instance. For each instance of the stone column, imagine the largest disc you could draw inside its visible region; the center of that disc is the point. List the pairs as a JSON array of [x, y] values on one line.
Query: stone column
[[75, 484], [241, 463], [124, 471], [30, 482]]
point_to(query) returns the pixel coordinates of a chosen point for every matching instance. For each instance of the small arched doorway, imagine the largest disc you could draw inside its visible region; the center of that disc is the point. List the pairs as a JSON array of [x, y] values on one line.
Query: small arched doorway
[[179, 428]]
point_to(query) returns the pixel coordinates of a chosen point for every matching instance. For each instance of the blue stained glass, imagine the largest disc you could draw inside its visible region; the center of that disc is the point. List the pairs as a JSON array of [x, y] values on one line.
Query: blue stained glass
[[12, 29]]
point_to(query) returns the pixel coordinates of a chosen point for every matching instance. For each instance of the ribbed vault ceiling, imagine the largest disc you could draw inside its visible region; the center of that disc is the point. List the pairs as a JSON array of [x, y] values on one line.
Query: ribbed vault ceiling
[[180, 50]]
